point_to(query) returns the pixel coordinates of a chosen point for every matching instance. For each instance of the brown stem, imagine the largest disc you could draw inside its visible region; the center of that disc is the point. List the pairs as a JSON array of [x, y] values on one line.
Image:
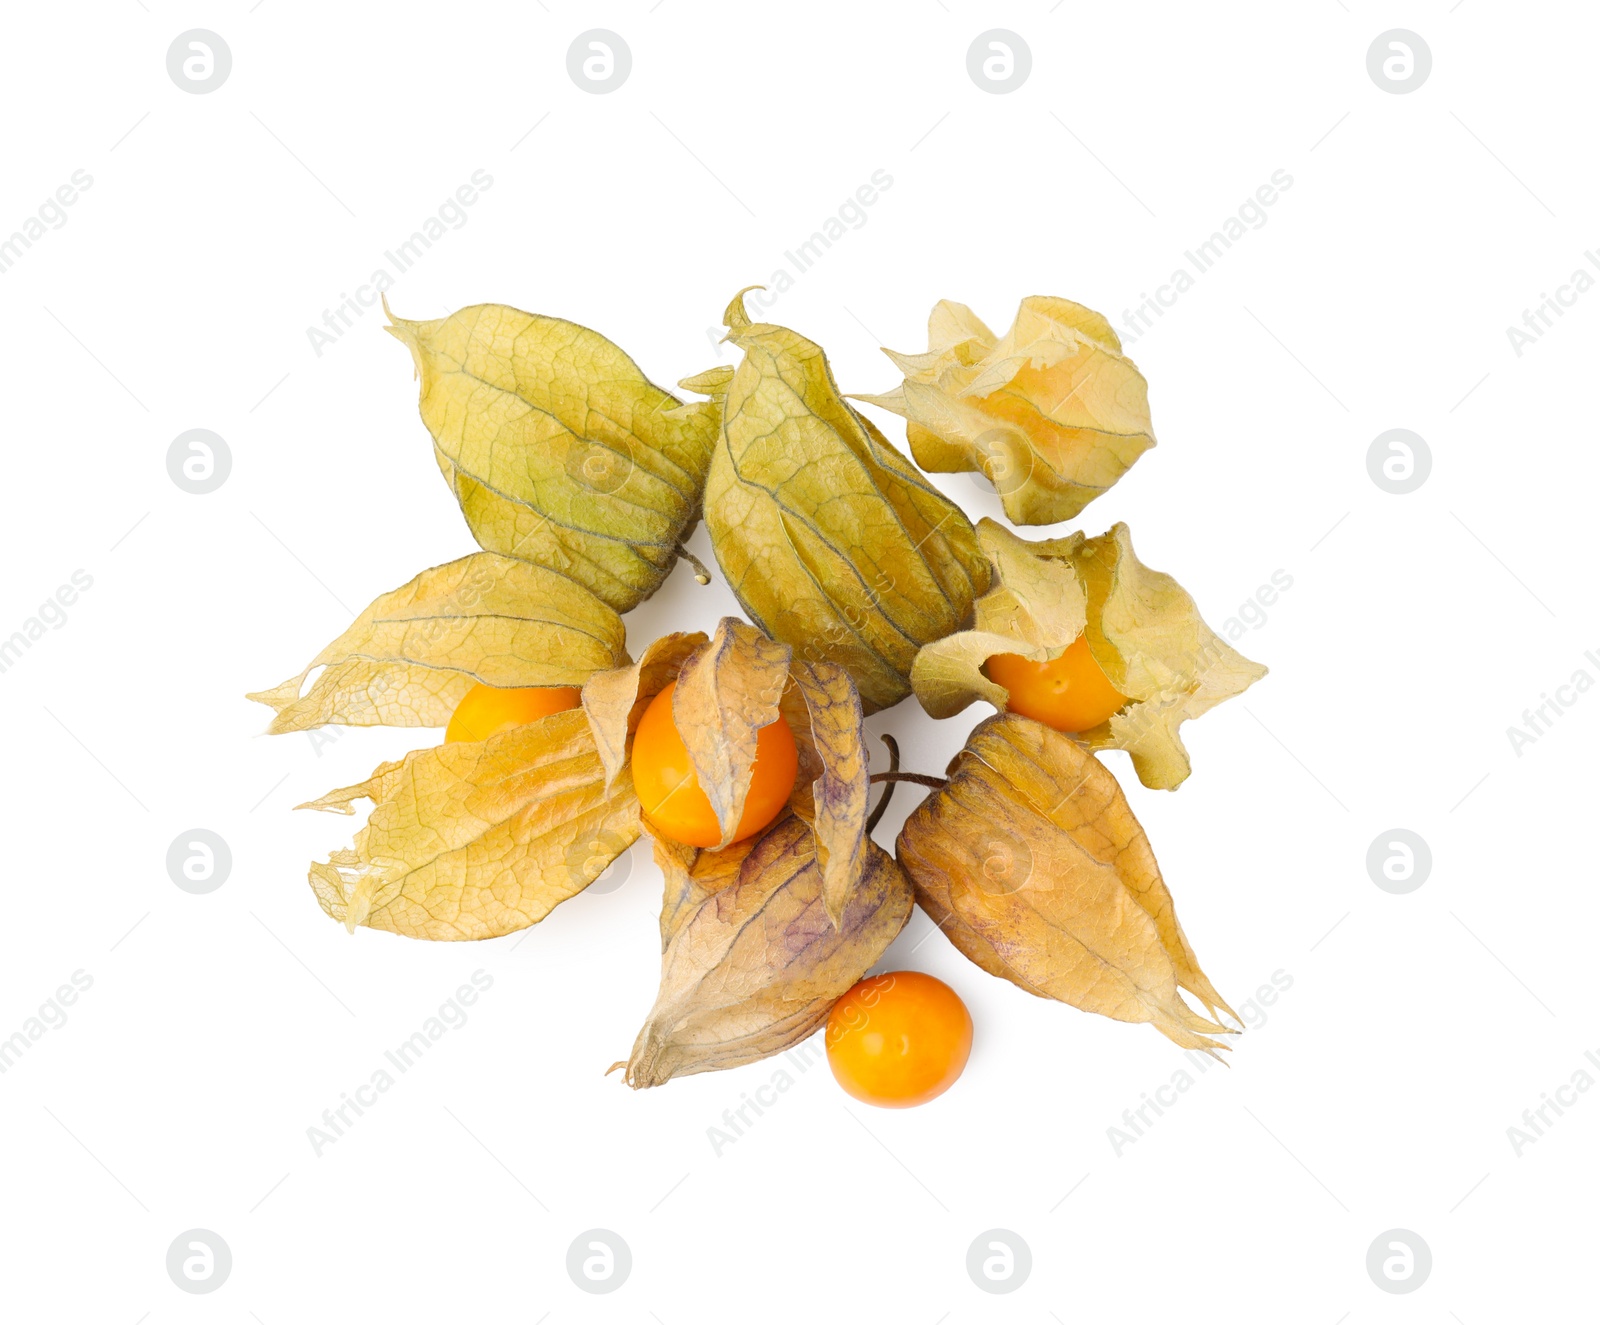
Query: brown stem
[[921, 779], [888, 793], [701, 574]]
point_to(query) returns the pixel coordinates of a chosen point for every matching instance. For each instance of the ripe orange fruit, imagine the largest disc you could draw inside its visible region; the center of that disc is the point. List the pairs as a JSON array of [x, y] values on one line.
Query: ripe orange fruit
[[670, 794], [899, 1039], [486, 711], [1069, 693]]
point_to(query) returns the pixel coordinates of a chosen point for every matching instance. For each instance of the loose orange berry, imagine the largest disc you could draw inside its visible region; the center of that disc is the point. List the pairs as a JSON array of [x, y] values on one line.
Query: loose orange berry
[[899, 1039]]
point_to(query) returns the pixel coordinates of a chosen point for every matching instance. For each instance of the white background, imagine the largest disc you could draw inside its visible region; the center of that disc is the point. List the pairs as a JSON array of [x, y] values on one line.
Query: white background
[[1378, 1091]]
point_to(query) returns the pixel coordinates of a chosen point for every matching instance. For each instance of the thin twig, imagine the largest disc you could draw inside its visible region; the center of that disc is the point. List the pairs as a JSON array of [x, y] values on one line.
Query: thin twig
[[701, 574], [921, 779], [888, 790]]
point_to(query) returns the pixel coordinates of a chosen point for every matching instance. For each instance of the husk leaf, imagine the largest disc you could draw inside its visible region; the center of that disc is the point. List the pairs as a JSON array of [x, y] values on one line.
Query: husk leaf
[[1053, 412], [728, 690], [473, 839], [1033, 864], [831, 790], [558, 448], [615, 700], [751, 963], [1143, 629], [831, 540], [407, 660]]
